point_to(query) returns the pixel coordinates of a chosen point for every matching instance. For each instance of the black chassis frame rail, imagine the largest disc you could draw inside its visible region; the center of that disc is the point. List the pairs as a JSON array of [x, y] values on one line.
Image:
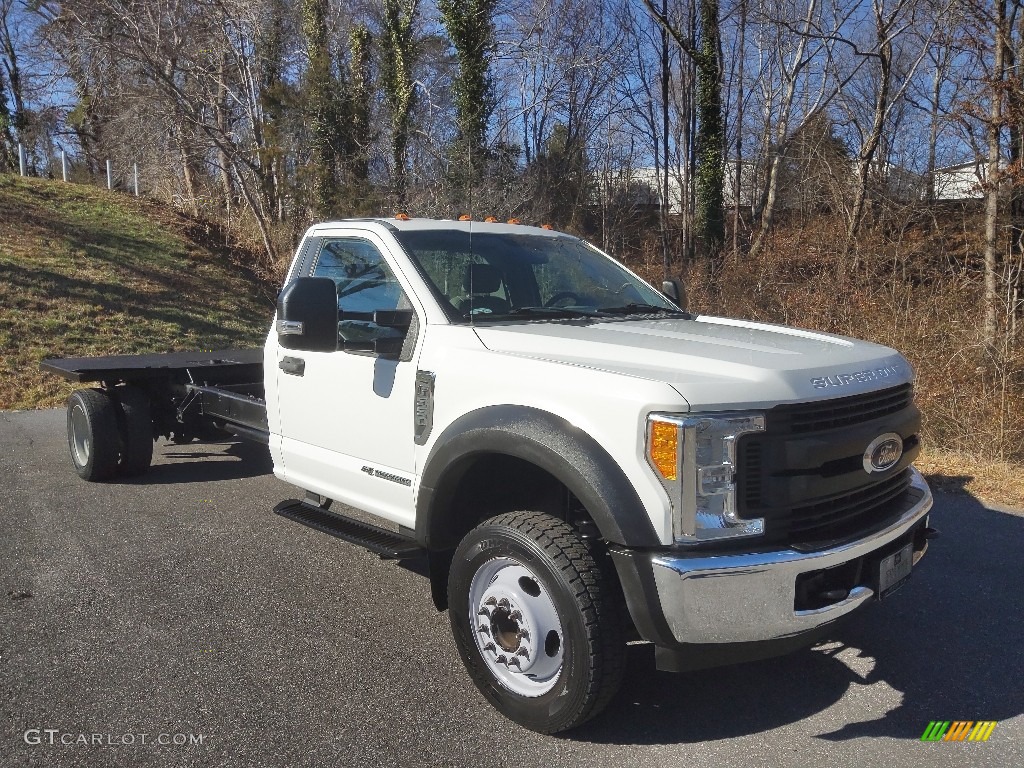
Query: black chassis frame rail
[[223, 388]]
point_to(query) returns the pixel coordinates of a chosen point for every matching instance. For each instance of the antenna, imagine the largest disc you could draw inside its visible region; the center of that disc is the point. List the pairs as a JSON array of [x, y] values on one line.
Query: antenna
[[469, 195]]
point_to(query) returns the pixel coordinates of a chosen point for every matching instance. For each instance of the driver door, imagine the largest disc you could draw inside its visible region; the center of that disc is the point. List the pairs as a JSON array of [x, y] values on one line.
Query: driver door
[[347, 416]]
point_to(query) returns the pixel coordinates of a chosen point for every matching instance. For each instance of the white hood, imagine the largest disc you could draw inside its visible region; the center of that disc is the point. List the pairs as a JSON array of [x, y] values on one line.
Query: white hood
[[714, 363]]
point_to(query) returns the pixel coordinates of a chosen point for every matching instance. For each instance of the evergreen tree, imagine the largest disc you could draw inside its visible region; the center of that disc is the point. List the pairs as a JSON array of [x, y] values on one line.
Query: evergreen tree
[[399, 53], [322, 108], [471, 28]]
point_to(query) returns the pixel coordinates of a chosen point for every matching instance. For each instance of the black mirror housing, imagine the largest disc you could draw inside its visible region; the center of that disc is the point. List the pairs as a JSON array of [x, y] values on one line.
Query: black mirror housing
[[674, 292], [307, 315]]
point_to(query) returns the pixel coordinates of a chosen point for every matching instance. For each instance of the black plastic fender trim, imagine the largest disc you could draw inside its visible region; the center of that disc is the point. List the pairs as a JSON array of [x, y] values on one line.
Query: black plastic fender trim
[[545, 440], [636, 575]]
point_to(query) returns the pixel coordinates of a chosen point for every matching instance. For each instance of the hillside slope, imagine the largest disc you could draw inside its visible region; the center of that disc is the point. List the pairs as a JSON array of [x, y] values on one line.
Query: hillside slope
[[84, 271]]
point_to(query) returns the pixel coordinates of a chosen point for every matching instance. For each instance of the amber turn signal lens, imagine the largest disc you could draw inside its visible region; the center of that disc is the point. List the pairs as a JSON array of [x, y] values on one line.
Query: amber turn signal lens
[[663, 448]]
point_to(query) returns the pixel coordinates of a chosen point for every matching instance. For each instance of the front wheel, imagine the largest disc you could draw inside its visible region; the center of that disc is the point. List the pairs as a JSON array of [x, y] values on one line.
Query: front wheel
[[537, 619]]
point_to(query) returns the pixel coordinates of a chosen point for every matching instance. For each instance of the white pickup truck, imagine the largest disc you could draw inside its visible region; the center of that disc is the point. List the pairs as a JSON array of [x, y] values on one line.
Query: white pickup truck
[[581, 462]]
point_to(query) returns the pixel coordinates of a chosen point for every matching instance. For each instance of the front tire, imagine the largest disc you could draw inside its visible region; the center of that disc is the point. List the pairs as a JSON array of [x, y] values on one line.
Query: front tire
[[537, 619]]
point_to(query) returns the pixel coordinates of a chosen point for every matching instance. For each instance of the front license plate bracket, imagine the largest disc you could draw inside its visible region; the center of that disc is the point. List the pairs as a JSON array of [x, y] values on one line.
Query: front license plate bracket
[[894, 570]]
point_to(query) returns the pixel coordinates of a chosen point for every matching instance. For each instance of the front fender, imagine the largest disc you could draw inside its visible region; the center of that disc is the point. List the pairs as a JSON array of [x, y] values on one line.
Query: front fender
[[549, 442]]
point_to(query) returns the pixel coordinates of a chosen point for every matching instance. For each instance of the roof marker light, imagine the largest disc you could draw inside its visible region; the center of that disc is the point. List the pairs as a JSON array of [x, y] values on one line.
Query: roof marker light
[[546, 226], [465, 217], [402, 216], [491, 220], [514, 221]]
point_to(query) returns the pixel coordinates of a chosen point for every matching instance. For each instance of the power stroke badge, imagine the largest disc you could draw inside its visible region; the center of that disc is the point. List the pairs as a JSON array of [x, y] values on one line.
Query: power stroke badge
[[883, 452]]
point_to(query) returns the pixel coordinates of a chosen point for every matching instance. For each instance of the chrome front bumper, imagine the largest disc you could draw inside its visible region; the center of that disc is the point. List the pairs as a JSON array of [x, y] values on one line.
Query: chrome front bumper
[[748, 597]]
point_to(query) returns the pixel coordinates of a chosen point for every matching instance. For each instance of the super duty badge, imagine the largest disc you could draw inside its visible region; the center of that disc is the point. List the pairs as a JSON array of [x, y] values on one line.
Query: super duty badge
[[842, 379]]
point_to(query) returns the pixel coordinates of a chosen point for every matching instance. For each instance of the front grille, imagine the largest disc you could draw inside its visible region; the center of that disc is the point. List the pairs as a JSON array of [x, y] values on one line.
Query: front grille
[[842, 412], [845, 514], [804, 473]]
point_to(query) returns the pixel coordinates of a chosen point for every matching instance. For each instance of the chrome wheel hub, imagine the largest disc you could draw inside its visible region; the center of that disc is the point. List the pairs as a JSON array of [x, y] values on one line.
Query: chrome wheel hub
[[80, 435], [516, 627]]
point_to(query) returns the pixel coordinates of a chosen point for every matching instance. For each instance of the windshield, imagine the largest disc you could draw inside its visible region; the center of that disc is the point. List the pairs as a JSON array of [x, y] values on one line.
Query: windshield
[[499, 276]]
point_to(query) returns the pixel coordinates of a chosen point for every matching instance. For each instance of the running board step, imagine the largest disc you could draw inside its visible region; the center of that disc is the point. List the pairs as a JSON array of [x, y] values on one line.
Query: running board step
[[388, 544]]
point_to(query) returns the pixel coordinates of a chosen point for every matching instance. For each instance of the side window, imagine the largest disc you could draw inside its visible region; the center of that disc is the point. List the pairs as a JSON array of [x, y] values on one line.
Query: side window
[[365, 284]]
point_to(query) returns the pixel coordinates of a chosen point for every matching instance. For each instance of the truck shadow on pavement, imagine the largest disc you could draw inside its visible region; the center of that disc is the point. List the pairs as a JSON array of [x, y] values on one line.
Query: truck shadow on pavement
[[947, 645], [205, 462]]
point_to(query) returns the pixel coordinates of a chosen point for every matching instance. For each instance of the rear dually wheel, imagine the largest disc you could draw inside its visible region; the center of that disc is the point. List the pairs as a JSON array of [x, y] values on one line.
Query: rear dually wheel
[[93, 437]]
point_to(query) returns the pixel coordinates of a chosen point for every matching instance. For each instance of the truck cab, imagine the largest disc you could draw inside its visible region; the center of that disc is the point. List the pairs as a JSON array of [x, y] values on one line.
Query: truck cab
[[743, 485]]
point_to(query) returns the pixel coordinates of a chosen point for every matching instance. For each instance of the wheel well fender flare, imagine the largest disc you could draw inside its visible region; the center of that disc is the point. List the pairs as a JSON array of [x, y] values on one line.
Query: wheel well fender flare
[[545, 440]]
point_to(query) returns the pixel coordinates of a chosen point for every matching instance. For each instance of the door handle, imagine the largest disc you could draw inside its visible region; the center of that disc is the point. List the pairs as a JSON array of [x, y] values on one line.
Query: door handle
[[296, 366]]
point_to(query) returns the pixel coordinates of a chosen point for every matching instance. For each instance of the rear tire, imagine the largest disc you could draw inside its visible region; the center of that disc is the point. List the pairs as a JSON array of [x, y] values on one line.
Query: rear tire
[[136, 430], [537, 619], [93, 437]]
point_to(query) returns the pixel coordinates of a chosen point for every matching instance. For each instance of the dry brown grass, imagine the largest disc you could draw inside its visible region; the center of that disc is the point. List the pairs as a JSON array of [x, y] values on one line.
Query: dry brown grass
[[87, 272], [999, 482]]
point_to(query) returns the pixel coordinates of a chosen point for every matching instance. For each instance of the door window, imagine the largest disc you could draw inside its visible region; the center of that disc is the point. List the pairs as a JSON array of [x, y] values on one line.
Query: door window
[[365, 284]]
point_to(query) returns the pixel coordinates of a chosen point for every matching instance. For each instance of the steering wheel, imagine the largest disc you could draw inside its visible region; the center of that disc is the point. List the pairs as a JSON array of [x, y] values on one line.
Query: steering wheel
[[561, 296]]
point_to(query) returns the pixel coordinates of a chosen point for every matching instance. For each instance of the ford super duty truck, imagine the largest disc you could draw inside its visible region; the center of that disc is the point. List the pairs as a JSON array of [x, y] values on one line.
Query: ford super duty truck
[[579, 460]]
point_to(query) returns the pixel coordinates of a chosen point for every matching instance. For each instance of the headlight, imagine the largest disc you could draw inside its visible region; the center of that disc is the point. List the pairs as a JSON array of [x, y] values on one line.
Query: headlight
[[695, 459]]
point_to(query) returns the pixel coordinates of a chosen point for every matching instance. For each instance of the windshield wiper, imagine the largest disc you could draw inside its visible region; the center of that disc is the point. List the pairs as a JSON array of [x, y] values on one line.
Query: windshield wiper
[[559, 312], [642, 309]]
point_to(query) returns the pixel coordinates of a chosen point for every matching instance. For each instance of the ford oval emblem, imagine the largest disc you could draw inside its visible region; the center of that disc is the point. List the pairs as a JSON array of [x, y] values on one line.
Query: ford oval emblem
[[883, 453]]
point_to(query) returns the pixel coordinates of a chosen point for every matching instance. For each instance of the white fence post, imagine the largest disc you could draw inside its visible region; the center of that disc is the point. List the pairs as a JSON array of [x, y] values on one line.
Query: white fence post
[[63, 165], [21, 159], [110, 178], [135, 168]]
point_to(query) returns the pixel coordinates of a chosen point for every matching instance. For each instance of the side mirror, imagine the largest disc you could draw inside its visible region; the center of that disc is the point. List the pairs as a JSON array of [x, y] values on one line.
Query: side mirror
[[674, 292], [307, 315]]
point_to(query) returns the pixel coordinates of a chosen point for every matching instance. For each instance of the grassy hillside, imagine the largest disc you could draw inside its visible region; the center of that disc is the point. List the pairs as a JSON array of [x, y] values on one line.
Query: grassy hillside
[[84, 271]]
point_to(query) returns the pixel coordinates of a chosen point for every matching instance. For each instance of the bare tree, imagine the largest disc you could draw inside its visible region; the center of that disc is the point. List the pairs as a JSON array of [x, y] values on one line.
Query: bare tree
[[891, 23], [788, 49], [706, 54]]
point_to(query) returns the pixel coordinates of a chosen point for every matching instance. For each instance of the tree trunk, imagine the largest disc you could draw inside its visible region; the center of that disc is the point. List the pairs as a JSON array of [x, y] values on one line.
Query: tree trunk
[[738, 179], [321, 112], [666, 77], [870, 144], [221, 121], [933, 132], [992, 185]]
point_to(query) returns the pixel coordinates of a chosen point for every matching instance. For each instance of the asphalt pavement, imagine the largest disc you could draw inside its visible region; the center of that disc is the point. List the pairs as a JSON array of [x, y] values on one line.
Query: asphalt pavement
[[174, 620]]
